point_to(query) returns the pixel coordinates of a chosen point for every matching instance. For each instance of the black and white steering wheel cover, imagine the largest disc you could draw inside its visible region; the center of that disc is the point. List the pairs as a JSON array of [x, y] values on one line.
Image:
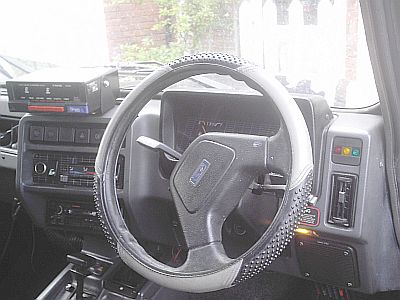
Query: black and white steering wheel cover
[[276, 237]]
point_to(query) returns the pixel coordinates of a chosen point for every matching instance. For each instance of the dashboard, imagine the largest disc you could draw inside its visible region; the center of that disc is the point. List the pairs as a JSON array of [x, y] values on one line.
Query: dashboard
[[55, 167]]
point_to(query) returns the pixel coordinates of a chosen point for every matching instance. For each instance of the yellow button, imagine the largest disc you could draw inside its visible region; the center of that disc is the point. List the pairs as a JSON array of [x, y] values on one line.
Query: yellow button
[[346, 151]]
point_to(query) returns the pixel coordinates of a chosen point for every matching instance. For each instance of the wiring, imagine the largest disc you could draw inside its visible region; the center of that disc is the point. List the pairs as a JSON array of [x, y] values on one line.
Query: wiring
[[33, 248], [174, 255], [13, 219]]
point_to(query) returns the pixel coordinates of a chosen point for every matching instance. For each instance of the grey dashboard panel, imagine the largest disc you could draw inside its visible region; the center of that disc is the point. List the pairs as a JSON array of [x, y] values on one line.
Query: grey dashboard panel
[[372, 233], [370, 171]]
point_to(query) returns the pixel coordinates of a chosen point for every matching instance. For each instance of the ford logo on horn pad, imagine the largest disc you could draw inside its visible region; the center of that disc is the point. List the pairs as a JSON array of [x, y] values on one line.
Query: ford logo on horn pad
[[199, 172]]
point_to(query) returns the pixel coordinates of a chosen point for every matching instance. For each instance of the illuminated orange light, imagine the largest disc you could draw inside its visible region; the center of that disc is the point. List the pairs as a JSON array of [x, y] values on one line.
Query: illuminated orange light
[[305, 231]]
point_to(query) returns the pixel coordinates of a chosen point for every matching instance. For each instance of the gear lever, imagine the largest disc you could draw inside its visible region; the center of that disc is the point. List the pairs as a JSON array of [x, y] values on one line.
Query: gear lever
[[81, 263]]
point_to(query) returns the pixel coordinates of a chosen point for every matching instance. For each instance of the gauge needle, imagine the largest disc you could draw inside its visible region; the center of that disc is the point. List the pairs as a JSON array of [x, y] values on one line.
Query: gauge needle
[[203, 129]]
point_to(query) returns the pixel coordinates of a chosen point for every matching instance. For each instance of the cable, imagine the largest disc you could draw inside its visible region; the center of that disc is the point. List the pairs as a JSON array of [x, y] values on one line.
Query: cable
[[33, 248], [13, 219]]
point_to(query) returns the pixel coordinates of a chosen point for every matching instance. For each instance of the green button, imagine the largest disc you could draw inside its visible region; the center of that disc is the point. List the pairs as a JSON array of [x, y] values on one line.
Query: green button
[[356, 152]]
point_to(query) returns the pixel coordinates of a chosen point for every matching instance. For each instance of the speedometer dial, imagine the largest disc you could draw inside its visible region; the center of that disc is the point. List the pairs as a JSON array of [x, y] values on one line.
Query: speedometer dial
[[194, 127]]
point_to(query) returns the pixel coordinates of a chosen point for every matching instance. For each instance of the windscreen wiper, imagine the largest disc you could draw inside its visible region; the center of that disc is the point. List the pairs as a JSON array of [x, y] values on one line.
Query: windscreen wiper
[[16, 64], [4, 72]]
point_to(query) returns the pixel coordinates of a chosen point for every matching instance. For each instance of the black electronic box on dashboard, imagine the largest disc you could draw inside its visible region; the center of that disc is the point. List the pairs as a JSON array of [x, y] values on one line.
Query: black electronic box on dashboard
[[65, 91]]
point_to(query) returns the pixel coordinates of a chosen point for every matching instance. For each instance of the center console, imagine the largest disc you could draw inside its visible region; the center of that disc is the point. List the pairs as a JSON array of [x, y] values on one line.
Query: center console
[[55, 171], [56, 167]]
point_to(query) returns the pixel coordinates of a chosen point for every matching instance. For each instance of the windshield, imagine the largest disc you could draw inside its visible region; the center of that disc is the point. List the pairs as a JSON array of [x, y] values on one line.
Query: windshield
[[315, 47]]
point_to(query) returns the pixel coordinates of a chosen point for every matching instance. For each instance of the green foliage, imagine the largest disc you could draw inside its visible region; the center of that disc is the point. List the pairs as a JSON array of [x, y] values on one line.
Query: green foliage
[[148, 52], [191, 21], [189, 26]]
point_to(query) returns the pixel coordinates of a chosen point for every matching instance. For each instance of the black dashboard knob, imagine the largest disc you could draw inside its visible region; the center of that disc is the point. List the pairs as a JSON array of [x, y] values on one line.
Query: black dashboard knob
[[60, 210], [40, 168]]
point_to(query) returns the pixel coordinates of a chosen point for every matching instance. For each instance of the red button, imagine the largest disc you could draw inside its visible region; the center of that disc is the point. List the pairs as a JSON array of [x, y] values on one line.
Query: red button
[[46, 108], [338, 150]]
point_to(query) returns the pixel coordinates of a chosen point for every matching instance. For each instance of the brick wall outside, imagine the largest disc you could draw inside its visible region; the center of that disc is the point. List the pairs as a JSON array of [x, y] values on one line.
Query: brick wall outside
[[128, 23], [133, 21]]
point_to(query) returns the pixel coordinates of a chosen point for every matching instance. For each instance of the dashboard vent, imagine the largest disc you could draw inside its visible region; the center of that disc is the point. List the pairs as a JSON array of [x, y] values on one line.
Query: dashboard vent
[[343, 195]]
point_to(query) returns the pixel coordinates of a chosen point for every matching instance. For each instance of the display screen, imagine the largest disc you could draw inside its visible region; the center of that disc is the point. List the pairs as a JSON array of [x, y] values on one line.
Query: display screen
[[42, 92]]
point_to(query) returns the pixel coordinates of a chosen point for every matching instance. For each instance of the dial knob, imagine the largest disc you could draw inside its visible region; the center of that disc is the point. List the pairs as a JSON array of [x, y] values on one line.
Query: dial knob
[[60, 210], [40, 168]]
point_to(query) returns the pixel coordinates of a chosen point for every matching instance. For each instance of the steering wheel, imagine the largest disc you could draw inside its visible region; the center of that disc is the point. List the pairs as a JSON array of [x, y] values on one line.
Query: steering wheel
[[209, 179]]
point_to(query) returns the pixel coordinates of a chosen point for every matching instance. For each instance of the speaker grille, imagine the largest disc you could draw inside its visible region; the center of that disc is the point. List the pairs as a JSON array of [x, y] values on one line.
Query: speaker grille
[[327, 262]]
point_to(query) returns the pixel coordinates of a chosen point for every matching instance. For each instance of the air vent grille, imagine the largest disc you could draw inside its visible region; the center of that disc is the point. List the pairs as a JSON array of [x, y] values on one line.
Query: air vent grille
[[343, 195]]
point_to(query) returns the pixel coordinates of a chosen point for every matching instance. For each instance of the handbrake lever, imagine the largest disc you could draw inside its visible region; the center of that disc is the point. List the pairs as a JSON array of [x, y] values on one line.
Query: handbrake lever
[[157, 145]]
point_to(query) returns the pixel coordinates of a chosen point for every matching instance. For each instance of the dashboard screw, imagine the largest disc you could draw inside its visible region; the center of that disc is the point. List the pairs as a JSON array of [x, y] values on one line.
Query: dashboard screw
[[306, 274], [301, 244], [346, 253], [349, 284]]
